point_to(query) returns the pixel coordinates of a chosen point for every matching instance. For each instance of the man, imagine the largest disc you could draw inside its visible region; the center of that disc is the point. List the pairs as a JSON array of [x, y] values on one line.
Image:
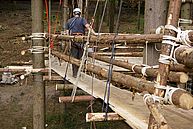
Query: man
[[76, 26]]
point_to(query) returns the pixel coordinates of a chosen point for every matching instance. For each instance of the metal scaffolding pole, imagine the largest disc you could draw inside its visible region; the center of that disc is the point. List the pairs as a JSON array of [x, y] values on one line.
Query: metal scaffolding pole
[[38, 63]]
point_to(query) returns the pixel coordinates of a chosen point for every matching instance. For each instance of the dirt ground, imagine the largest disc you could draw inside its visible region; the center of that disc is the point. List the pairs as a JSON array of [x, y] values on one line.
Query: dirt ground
[[16, 100]]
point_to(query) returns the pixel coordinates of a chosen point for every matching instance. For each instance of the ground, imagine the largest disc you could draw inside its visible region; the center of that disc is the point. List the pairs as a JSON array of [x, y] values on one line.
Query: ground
[[16, 100]]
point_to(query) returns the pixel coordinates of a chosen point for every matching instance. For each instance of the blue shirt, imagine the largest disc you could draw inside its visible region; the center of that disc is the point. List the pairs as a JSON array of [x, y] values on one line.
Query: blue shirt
[[76, 25]]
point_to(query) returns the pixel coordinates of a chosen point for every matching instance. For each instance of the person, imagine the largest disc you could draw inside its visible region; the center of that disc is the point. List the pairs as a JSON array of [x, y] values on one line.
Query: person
[[76, 26]]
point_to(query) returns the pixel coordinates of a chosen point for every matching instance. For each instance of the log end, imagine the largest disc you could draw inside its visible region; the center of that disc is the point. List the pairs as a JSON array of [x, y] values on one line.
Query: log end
[[186, 101], [184, 77]]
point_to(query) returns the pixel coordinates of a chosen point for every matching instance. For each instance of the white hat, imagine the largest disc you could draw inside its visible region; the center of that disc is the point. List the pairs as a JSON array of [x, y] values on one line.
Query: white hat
[[76, 10]]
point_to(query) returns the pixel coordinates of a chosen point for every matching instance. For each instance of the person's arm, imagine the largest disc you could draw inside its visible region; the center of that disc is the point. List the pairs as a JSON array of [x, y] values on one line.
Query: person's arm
[[90, 29]]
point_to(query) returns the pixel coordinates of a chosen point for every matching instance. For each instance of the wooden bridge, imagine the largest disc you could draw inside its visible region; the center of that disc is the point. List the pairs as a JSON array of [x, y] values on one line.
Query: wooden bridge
[[135, 113]]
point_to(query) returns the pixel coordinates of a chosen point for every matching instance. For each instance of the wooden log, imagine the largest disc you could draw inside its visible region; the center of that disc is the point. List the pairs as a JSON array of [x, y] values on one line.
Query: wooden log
[[184, 55], [68, 99], [159, 120], [64, 87], [11, 70], [90, 117], [132, 82], [21, 70], [180, 67], [128, 54], [21, 63], [179, 77], [173, 15], [53, 78], [132, 38]]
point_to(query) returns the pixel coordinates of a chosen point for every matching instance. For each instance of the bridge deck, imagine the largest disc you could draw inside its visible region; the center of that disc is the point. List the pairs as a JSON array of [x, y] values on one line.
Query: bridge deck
[[134, 112]]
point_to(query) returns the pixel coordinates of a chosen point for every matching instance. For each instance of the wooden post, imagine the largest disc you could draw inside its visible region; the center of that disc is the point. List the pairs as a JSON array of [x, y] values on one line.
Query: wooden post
[[101, 117], [173, 15], [38, 63], [155, 15], [159, 121], [166, 49]]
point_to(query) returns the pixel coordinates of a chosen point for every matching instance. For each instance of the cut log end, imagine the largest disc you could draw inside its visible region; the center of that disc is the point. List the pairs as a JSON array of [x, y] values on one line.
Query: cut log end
[[186, 101], [183, 77]]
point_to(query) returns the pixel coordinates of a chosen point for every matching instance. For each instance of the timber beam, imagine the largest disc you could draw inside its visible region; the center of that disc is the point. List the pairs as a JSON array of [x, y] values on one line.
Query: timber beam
[[62, 87], [179, 77], [179, 98], [83, 98], [90, 117], [184, 55], [132, 38]]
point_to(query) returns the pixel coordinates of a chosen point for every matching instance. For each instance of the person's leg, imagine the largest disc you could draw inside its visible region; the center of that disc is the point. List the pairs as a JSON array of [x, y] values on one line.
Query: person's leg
[[74, 53]]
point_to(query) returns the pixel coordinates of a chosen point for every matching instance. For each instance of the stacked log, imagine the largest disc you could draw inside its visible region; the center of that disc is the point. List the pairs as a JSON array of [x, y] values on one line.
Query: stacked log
[[179, 77]]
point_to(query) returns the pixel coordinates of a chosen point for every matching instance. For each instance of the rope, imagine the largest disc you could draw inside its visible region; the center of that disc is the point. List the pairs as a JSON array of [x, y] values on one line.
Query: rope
[[169, 40], [107, 89], [168, 92]]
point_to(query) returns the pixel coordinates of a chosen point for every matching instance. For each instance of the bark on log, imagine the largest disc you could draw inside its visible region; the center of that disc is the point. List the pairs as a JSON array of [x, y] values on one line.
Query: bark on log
[[133, 38], [68, 99], [173, 15], [159, 120], [128, 54], [132, 82], [179, 77], [21, 70], [184, 55], [101, 117], [180, 68]]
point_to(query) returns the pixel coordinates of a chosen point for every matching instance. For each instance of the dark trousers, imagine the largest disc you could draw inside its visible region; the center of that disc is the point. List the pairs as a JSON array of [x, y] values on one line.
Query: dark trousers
[[76, 52]]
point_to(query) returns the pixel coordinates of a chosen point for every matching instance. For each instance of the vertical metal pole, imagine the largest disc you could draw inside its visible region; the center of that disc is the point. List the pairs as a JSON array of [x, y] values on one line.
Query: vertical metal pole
[[49, 28], [38, 63]]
